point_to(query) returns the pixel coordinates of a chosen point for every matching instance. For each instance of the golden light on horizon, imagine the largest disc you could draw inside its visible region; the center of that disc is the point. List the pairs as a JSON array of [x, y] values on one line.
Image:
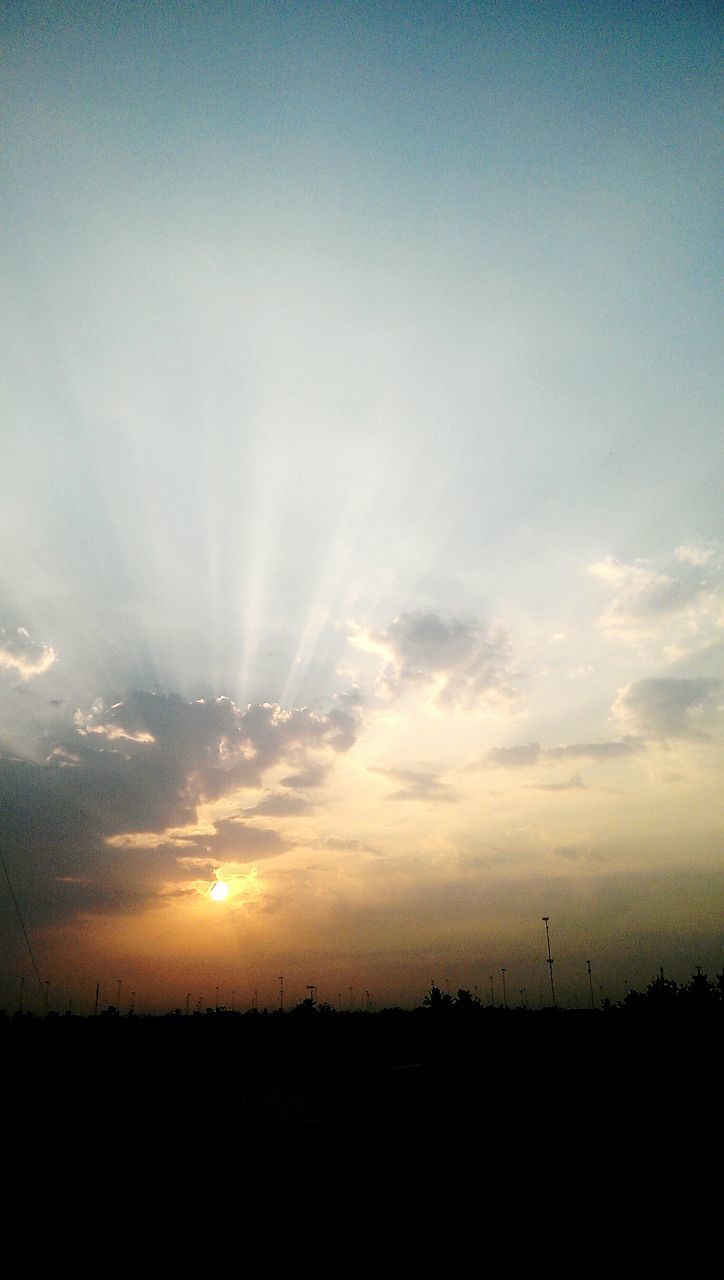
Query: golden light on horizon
[[219, 891]]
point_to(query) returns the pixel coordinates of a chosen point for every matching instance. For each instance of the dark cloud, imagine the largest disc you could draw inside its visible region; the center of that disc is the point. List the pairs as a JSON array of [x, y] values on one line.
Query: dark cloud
[[57, 856], [672, 708], [142, 765], [417, 785], [464, 660], [280, 805], [235, 841], [311, 776], [342, 730], [352, 697]]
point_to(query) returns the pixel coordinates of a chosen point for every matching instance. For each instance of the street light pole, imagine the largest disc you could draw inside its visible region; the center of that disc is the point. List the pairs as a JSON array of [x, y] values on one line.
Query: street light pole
[[549, 962]]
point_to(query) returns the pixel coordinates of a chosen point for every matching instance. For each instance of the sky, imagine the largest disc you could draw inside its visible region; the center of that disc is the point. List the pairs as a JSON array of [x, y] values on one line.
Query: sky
[[360, 498]]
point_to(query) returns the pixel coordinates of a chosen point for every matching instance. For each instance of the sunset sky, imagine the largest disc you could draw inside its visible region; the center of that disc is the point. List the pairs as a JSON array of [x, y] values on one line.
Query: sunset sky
[[360, 495]]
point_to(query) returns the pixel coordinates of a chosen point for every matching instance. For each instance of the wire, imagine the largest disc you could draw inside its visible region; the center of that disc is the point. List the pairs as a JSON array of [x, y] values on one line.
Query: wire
[[22, 922]]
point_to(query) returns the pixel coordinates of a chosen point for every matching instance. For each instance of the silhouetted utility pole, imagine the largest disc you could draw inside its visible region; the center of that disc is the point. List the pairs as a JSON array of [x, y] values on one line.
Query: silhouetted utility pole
[[133, 1002], [281, 993], [590, 982], [312, 991], [118, 1000], [505, 998], [45, 1003], [188, 998], [98, 992], [549, 962], [492, 992]]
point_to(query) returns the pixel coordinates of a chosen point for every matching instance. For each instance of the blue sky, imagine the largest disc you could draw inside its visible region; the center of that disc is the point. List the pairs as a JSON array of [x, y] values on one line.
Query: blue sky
[[362, 360]]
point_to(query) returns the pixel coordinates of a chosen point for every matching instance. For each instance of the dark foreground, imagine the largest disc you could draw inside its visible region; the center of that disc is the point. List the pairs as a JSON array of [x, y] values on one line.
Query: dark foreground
[[521, 1077]]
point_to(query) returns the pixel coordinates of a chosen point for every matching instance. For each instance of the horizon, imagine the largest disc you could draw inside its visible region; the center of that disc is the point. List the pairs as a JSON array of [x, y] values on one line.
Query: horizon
[[361, 498]]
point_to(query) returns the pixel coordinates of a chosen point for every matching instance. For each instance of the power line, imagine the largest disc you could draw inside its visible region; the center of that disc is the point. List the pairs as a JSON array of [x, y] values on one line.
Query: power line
[[22, 922]]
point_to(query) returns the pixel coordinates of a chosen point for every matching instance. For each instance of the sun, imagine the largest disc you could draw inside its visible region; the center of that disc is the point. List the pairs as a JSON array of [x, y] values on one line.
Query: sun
[[219, 891]]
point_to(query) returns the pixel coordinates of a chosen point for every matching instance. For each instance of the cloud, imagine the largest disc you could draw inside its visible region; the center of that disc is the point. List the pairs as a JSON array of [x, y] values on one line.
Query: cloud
[[530, 754], [311, 776], [347, 846], [694, 555], [212, 745], [573, 784], [53, 838], [417, 785], [511, 757], [596, 750], [671, 708], [280, 805], [579, 853], [461, 662], [353, 697], [679, 608], [235, 841], [22, 655], [130, 772]]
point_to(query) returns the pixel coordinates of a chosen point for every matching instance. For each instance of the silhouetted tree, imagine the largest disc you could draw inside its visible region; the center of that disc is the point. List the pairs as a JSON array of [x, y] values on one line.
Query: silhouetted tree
[[466, 1001], [437, 1000], [662, 992], [700, 992], [305, 1008]]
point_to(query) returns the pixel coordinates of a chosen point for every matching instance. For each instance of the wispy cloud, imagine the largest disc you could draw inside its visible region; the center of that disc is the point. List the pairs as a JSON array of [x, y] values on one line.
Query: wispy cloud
[[280, 805], [599, 751], [573, 784], [417, 785], [530, 754]]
